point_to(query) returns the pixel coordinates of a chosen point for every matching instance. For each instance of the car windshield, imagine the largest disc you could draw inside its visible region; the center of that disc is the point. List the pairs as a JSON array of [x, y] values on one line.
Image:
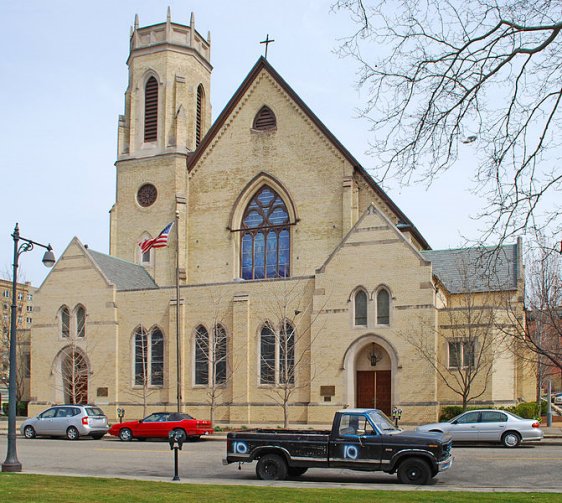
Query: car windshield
[[382, 422], [94, 411]]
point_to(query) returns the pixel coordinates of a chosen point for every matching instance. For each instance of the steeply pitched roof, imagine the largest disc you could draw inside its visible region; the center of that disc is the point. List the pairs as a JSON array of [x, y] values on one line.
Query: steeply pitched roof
[[263, 64], [476, 269], [124, 275]]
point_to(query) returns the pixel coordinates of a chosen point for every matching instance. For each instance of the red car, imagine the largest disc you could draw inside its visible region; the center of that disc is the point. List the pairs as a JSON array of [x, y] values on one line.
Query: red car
[[159, 425]]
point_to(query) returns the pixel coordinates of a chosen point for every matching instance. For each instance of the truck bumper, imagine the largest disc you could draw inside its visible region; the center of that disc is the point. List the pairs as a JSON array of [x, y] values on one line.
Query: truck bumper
[[445, 465]]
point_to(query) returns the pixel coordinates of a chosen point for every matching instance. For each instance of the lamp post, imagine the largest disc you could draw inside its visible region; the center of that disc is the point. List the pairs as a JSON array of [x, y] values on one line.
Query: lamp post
[[11, 463]]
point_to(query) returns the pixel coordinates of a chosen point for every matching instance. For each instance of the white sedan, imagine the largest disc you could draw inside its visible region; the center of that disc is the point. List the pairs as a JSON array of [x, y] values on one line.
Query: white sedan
[[489, 425]]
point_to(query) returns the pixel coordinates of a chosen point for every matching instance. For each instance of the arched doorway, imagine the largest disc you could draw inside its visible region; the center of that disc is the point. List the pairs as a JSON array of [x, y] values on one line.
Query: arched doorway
[[74, 372], [373, 381], [371, 364]]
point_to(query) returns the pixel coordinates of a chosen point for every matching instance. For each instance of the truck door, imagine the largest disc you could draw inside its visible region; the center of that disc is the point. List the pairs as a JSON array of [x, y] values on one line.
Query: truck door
[[355, 444]]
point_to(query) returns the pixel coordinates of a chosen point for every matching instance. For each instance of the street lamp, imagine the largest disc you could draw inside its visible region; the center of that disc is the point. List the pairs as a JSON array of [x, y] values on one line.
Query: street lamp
[[11, 463]]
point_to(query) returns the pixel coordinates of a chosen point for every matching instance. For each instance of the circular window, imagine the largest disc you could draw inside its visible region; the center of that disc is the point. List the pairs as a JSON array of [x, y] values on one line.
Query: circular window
[[147, 195]]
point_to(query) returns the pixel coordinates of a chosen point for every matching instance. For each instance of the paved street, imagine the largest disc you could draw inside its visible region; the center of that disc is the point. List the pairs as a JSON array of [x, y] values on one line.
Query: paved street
[[534, 467]]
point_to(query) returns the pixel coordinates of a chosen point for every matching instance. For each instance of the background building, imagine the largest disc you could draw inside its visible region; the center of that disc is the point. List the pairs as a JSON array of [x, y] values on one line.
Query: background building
[[23, 326]]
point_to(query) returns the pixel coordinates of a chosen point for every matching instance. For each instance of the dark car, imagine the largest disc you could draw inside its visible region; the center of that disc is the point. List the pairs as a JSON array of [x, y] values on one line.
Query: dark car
[[160, 424]]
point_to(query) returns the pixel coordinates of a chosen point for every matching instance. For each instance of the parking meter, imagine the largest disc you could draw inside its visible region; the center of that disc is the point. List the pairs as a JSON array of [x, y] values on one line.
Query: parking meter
[[176, 438], [396, 415], [120, 414]]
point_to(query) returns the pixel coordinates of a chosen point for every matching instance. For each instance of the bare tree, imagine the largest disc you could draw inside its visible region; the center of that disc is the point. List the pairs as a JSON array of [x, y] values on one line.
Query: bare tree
[[148, 365], [444, 72], [215, 364], [539, 335], [286, 340], [466, 344]]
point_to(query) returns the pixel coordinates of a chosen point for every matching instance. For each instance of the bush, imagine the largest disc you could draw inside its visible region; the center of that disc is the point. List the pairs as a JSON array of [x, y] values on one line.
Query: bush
[[21, 408], [528, 410]]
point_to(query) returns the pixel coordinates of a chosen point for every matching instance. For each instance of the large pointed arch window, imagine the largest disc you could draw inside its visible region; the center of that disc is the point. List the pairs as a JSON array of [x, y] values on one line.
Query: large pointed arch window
[[265, 237]]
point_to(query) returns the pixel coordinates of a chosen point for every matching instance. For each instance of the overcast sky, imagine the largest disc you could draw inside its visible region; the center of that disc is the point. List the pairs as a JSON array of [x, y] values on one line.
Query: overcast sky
[[63, 77]]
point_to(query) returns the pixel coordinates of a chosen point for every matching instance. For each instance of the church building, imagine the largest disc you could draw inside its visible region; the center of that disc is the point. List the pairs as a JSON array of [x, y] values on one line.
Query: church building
[[257, 274]]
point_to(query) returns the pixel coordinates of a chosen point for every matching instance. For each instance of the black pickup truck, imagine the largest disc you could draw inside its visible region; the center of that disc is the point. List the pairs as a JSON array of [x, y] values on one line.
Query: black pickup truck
[[360, 439]]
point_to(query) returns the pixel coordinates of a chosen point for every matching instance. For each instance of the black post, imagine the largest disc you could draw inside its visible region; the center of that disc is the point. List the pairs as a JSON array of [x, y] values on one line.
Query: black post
[[11, 463], [176, 471]]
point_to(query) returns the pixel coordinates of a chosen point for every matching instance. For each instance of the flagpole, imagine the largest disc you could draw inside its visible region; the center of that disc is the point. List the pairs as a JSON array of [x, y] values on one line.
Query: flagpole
[[178, 345]]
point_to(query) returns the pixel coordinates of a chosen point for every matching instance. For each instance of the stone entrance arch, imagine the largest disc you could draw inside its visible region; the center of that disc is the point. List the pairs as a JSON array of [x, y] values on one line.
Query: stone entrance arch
[[369, 385], [72, 371]]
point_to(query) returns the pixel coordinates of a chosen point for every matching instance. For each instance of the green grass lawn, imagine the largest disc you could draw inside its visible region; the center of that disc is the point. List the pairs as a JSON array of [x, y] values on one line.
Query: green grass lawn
[[40, 488]]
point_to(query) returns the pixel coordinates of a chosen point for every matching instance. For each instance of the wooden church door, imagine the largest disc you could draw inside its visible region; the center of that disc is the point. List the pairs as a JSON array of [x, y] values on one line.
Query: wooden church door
[[373, 390]]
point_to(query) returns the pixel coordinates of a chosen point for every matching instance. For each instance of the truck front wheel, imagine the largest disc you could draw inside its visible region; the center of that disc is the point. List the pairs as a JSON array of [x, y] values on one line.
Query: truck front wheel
[[414, 471], [271, 467]]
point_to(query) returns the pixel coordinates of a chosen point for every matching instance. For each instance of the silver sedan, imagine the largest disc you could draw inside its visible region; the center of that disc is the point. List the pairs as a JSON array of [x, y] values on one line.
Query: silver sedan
[[489, 426]]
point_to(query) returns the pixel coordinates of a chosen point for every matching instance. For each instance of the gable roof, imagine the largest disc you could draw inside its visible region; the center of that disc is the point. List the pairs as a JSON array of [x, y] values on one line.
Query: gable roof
[[124, 275], [263, 64], [476, 270]]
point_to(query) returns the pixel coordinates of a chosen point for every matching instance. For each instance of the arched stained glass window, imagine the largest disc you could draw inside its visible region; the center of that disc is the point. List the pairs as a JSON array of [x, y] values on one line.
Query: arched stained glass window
[[64, 322], [277, 354], [80, 321], [265, 241], [210, 356], [201, 355], [220, 354], [383, 307], [360, 308], [149, 357]]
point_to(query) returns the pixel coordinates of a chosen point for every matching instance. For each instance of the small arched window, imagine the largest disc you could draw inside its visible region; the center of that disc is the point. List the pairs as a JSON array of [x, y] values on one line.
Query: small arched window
[[360, 308], [201, 355], [80, 321], [149, 357], [265, 119], [383, 307], [151, 110], [64, 322], [265, 237], [199, 114], [219, 354]]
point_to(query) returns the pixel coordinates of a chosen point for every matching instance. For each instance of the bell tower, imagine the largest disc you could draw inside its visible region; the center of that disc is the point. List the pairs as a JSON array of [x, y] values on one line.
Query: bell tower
[[167, 112]]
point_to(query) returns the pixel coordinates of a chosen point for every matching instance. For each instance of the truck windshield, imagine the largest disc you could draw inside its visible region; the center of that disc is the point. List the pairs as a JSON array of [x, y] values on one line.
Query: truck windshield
[[382, 422]]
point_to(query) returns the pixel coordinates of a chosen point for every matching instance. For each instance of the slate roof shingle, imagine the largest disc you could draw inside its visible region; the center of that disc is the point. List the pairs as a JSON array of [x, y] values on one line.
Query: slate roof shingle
[[124, 275], [475, 269]]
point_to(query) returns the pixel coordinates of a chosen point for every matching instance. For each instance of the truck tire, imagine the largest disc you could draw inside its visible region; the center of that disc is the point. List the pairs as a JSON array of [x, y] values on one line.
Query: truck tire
[[414, 471], [271, 467], [297, 471]]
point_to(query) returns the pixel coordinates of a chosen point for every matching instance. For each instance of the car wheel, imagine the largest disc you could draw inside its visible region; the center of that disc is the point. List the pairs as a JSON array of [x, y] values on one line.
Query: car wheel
[[511, 439], [271, 467], [126, 435], [72, 433], [29, 432], [414, 471], [297, 471]]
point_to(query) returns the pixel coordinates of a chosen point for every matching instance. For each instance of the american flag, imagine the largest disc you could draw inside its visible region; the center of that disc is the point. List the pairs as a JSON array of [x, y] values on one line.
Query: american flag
[[159, 241]]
